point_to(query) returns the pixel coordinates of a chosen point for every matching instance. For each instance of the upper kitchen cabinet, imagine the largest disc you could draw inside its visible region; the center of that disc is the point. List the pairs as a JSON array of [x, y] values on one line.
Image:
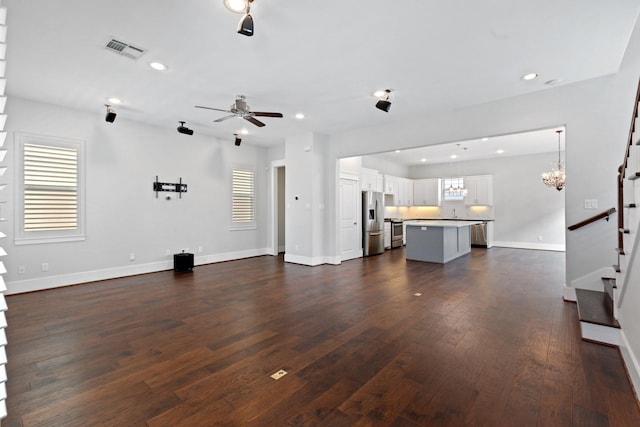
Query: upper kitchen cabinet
[[479, 190], [427, 192], [404, 192], [390, 185], [371, 180]]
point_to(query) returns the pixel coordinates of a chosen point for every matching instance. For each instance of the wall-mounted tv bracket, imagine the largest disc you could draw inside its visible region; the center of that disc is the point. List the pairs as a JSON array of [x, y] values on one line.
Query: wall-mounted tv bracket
[[178, 187]]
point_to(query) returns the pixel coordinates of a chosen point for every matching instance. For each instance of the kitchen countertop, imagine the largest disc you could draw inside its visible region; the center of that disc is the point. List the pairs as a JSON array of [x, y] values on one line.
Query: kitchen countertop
[[441, 223]]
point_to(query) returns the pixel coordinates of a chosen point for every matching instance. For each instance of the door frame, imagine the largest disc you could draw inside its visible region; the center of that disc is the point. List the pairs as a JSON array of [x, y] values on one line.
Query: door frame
[[356, 178], [273, 199]]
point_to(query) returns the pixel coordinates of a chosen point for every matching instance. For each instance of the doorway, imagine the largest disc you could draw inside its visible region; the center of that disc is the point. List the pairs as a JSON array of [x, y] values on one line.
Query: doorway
[[278, 179]]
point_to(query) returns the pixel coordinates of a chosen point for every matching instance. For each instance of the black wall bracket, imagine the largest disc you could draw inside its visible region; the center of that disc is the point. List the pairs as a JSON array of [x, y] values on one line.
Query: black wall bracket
[[177, 187]]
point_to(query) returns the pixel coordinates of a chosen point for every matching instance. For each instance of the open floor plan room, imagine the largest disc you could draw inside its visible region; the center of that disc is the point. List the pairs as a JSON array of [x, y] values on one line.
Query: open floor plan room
[[485, 340]]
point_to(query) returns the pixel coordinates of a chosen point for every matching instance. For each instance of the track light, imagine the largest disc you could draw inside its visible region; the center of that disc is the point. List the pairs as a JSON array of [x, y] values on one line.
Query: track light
[[245, 27], [384, 103], [238, 140], [183, 129], [111, 114]]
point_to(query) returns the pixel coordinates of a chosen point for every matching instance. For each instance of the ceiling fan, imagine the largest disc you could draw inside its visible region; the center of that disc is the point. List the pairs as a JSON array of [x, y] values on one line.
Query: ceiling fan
[[241, 110]]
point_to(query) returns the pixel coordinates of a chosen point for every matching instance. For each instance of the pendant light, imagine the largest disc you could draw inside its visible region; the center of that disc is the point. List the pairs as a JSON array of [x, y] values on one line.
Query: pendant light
[[556, 177]]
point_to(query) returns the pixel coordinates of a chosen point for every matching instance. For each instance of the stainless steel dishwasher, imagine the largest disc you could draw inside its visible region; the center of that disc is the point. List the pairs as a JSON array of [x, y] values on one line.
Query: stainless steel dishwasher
[[479, 234]]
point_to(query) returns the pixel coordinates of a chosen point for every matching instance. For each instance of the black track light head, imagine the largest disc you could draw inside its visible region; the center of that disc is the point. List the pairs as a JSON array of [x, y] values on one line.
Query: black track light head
[[245, 26], [384, 103], [183, 129], [111, 114], [238, 140]]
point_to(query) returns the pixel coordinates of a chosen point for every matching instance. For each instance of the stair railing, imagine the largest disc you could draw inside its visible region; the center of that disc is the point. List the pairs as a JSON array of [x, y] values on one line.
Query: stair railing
[[622, 172], [602, 215]]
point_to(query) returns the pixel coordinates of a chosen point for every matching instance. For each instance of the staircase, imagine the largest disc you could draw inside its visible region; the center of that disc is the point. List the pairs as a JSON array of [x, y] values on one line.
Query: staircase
[[598, 310]]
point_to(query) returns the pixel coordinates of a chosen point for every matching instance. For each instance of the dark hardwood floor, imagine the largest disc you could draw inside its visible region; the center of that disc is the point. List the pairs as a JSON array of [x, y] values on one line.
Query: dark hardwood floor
[[489, 343]]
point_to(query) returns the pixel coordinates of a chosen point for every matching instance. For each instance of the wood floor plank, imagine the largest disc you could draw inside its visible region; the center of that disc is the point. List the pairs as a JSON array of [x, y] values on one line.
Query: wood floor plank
[[489, 343]]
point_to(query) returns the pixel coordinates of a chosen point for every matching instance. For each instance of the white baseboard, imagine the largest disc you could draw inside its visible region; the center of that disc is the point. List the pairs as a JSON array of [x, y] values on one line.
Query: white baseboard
[[50, 282], [304, 260], [568, 293], [527, 245], [631, 363]]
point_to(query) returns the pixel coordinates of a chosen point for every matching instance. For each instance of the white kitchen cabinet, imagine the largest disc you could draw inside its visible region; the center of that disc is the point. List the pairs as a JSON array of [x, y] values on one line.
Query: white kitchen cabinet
[[427, 192], [390, 184], [371, 180], [404, 192], [479, 190]]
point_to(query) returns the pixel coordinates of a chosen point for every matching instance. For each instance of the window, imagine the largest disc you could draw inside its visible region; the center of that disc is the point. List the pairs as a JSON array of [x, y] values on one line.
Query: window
[[50, 198], [243, 203], [453, 189]]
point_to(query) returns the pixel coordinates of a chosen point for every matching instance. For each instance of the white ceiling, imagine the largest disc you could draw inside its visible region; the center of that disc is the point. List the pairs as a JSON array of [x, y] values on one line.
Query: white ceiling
[[322, 58], [521, 144]]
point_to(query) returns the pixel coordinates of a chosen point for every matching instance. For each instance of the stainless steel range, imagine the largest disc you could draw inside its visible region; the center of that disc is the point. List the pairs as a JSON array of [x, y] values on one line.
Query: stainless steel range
[[397, 233]]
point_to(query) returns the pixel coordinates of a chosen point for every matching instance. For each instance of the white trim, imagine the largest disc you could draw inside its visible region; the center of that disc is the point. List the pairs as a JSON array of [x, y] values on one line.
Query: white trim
[[558, 247], [51, 282], [569, 293], [599, 333], [310, 261], [273, 191], [631, 363]]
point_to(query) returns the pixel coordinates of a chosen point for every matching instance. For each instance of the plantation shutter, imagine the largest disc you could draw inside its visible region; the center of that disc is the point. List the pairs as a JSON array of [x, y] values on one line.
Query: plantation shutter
[[50, 188], [243, 196]]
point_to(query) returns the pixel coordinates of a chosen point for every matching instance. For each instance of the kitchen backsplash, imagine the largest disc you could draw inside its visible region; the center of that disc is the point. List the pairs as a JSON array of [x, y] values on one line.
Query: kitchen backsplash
[[446, 211]]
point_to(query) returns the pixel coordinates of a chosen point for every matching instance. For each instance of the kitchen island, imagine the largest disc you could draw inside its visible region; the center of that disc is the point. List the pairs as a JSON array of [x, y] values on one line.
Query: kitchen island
[[438, 241]]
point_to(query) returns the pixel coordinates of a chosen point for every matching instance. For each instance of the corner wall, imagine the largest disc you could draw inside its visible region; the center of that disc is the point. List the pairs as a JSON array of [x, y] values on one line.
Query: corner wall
[[123, 215]]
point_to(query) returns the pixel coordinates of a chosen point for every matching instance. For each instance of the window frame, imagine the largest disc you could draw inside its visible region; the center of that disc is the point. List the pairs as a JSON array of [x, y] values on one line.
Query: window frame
[[244, 225], [457, 197], [24, 237]]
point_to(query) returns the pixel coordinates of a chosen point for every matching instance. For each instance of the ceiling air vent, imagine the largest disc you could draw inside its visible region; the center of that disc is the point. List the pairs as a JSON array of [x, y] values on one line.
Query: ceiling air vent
[[124, 49]]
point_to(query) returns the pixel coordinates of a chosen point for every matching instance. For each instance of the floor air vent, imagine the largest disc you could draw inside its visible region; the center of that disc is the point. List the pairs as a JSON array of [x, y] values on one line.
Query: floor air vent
[[124, 49]]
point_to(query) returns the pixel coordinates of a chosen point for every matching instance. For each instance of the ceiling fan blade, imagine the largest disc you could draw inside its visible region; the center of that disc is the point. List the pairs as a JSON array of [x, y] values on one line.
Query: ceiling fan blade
[[211, 108], [254, 121], [265, 114], [222, 119]]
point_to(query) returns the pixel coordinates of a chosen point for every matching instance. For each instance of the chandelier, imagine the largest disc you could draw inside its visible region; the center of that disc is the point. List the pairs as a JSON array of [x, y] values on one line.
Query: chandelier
[[556, 178]]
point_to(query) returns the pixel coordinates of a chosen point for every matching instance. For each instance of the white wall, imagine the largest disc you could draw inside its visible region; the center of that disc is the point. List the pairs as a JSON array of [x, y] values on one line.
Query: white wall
[[123, 215], [385, 167], [305, 199]]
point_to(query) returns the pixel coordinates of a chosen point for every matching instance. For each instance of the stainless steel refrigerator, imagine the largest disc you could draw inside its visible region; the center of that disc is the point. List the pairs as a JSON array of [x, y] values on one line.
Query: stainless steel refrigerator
[[372, 223]]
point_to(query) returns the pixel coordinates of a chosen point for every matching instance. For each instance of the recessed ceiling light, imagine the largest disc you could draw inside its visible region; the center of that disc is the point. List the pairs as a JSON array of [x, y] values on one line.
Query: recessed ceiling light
[[397, 151], [530, 76], [500, 151], [379, 93], [454, 156], [485, 139], [244, 132], [115, 101], [299, 116], [158, 66], [423, 159], [236, 6]]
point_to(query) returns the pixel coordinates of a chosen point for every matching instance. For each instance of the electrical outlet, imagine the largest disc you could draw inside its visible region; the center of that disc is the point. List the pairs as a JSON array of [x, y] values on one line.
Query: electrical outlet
[[167, 252], [22, 269], [132, 256], [281, 373], [45, 266], [199, 248]]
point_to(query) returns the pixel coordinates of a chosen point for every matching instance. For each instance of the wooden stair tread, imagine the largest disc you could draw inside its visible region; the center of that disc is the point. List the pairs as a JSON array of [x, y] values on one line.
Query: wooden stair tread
[[616, 268], [634, 176], [624, 230], [593, 308], [630, 205]]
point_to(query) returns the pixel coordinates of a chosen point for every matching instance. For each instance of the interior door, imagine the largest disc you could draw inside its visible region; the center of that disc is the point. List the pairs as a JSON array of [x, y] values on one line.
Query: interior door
[[351, 242]]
